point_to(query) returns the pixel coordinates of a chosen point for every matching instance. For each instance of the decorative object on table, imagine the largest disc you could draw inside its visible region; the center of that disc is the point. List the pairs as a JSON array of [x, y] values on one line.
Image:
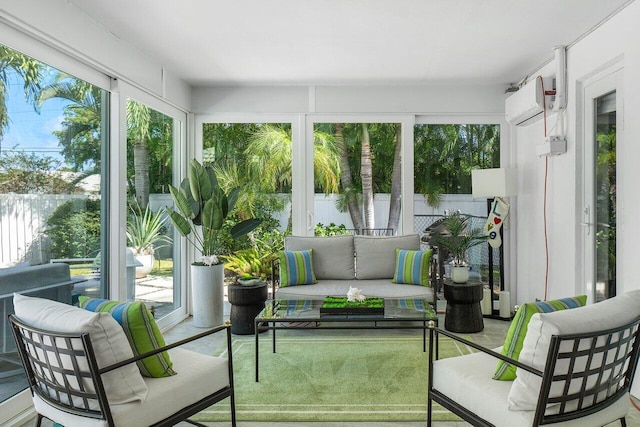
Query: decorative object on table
[[496, 184], [345, 306], [248, 280], [144, 236], [202, 209], [355, 294], [458, 238]]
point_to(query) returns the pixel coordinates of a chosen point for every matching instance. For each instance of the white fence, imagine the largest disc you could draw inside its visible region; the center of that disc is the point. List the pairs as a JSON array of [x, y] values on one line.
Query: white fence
[[23, 218]]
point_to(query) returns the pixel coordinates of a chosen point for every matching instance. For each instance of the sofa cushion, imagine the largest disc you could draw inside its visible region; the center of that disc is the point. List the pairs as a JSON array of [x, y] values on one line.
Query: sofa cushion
[[296, 268], [376, 256], [109, 342], [412, 267], [374, 288], [332, 256], [518, 330], [141, 330], [607, 314]]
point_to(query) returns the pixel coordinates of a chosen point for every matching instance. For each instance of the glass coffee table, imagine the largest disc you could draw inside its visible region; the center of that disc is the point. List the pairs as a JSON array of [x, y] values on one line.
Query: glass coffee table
[[407, 313]]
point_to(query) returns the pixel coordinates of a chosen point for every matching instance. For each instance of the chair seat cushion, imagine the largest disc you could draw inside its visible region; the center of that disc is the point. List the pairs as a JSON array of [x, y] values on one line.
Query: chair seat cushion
[[199, 375], [468, 381]]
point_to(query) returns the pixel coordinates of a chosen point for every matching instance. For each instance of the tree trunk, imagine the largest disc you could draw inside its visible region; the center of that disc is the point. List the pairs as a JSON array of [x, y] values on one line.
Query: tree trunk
[[366, 173], [141, 163], [396, 183], [345, 179]]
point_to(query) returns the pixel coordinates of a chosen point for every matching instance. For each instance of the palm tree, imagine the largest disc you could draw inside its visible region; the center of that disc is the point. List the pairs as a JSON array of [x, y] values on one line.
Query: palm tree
[[138, 125], [28, 69], [366, 174], [349, 191], [396, 182], [269, 157], [81, 132]]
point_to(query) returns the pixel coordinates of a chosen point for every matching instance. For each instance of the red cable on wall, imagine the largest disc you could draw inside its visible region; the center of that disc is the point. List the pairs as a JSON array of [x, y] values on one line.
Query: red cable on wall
[[544, 201]]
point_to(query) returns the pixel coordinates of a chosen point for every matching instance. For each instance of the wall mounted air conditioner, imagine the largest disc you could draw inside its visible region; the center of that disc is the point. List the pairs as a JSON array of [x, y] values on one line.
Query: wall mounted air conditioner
[[525, 106]]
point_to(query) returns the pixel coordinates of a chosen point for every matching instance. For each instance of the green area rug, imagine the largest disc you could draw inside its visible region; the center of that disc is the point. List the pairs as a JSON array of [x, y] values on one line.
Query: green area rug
[[322, 378]]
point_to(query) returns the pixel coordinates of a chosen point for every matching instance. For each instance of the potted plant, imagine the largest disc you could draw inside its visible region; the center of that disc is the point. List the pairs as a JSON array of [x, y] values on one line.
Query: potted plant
[[144, 236], [202, 208], [457, 238]]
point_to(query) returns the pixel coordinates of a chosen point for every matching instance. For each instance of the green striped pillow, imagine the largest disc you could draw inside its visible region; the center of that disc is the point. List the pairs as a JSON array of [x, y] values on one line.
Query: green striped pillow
[[518, 329], [141, 330], [412, 267], [296, 268]]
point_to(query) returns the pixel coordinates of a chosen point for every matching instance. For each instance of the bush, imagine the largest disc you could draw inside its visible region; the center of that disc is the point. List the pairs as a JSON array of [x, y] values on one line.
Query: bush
[[74, 229], [330, 230]]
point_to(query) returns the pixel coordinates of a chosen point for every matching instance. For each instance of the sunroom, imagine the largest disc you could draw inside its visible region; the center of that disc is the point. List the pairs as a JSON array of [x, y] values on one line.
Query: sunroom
[[107, 103]]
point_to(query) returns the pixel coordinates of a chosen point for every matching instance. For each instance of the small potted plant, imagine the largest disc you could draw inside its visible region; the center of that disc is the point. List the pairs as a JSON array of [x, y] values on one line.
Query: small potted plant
[[144, 236], [202, 207], [457, 238]]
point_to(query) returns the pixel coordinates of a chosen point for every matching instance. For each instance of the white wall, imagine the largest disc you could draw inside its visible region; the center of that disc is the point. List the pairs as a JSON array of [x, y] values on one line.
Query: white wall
[[617, 38], [63, 27], [425, 99]]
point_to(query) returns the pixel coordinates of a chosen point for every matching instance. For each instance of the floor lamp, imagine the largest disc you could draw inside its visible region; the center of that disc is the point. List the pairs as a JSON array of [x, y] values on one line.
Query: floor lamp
[[495, 184]]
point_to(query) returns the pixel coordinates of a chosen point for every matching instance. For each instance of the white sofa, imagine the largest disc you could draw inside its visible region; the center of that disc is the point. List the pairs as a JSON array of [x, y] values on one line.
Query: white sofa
[[559, 370], [364, 262]]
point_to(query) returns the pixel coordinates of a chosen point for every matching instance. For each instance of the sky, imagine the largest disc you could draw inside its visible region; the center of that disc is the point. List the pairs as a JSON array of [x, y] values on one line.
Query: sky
[[28, 130]]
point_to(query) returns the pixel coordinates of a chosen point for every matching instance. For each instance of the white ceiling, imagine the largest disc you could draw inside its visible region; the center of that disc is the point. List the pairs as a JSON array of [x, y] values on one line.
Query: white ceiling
[[250, 42]]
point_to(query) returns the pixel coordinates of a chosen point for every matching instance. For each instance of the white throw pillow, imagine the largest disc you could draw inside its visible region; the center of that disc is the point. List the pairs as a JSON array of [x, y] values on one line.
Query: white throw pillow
[[604, 315], [109, 341]]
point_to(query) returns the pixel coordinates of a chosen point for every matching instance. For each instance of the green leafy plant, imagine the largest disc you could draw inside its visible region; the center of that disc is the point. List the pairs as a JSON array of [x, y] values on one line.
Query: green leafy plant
[[458, 237], [144, 230], [247, 263], [332, 229], [202, 210], [256, 261], [341, 302], [74, 229]]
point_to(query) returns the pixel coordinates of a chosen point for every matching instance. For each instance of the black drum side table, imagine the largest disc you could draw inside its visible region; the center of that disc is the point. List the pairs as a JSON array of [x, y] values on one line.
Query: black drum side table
[[464, 313], [246, 302]]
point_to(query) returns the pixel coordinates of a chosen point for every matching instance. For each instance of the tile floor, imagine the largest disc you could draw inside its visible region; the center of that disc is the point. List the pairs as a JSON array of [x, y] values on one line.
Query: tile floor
[[492, 336]]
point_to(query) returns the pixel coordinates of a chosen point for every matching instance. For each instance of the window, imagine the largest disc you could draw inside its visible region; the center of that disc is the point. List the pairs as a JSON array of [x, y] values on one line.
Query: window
[[444, 155], [53, 140], [357, 178]]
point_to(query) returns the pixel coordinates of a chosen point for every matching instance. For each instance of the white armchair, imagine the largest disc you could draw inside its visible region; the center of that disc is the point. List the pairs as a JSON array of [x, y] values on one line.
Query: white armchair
[[81, 371], [575, 369]]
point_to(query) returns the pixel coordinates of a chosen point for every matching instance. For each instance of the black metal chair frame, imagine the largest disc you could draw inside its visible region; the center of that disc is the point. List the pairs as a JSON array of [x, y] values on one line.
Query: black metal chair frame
[[81, 400], [623, 340]]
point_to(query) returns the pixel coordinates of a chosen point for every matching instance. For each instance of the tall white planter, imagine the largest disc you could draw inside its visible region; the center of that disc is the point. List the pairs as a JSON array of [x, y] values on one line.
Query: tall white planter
[[207, 292]]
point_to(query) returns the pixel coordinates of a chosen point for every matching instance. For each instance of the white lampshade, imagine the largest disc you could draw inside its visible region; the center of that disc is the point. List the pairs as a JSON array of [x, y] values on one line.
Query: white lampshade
[[498, 182]]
